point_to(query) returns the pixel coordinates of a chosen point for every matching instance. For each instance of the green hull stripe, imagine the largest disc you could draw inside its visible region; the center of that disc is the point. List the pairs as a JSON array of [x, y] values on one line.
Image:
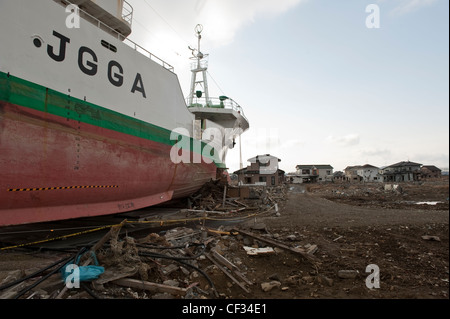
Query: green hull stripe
[[24, 93]]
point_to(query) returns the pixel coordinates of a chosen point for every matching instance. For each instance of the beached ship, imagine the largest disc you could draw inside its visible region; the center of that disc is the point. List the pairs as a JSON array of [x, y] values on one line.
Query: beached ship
[[93, 124]]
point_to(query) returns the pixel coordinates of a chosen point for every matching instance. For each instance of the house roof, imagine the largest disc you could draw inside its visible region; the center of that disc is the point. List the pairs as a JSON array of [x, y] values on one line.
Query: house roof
[[263, 158], [431, 167], [369, 166], [318, 166], [359, 167], [257, 172], [403, 164], [245, 170]]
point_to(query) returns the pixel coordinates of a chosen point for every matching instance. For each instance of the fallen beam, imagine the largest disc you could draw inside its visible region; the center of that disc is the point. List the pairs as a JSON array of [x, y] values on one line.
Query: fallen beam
[[150, 286], [230, 266], [223, 260], [299, 251], [202, 211], [224, 270]]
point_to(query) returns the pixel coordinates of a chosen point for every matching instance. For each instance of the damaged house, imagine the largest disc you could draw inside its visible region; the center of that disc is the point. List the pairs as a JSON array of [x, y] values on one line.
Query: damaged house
[[430, 171], [263, 170], [313, 173], [362, 173], [402, 172]]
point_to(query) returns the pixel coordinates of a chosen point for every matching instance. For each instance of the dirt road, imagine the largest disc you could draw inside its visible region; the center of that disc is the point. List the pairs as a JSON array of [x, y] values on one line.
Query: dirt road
[[351, 238]]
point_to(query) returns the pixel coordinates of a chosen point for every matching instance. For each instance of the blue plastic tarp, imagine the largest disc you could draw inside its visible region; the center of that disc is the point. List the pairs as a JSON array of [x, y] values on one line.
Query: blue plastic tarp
[[82, 273]]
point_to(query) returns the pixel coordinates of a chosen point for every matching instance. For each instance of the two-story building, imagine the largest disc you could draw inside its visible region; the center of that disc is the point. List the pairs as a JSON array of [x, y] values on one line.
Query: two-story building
[[362, 173], [313, 173], [339, 177], [351, 174], [405, 171], [263, 170], [430, 171]]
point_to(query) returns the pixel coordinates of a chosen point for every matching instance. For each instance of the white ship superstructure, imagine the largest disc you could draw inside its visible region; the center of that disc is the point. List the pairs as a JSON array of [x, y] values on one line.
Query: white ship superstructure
[[87, 117]]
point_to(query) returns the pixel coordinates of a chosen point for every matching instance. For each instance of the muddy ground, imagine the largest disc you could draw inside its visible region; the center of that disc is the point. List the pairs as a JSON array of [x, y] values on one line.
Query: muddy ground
[[352, 236], [353, 226]]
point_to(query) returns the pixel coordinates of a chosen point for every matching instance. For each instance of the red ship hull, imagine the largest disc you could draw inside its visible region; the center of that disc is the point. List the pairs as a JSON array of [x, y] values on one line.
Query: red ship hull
[[60, 161]]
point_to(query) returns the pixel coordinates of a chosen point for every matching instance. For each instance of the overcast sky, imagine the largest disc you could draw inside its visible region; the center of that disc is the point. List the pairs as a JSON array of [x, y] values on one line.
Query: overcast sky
[[317, 85]]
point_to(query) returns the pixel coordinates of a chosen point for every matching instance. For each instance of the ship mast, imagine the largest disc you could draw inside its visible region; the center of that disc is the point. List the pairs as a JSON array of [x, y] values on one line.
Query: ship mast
[[211, 112], [200, 66]]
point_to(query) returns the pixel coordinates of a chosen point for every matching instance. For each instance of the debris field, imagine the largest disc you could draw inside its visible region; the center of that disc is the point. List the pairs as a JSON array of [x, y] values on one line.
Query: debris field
[[289, 242]]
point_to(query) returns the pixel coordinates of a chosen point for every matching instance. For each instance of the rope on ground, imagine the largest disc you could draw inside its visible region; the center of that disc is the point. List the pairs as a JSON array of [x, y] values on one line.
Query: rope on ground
[[160, 222], [56, 238]]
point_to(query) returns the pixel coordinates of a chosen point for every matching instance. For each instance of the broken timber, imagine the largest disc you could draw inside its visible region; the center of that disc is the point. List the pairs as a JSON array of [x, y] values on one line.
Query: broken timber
[[230, 266], [258, 251], [150, 286], [224, 270], [299, 251]]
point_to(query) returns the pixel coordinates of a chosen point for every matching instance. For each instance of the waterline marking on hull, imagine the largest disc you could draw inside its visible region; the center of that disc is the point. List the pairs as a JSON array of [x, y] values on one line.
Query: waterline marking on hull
[[56, 188]]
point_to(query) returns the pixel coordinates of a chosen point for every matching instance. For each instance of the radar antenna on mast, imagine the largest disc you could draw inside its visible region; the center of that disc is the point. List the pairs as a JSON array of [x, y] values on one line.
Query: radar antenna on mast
[[199, 66], [199, 30]]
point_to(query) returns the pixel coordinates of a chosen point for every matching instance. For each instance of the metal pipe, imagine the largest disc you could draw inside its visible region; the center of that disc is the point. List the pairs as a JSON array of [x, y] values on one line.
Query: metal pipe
[[25, 290], [31, 275]]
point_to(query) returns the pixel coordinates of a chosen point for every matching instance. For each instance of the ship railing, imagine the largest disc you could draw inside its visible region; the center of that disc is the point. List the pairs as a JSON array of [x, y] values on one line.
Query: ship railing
[[198, 66], [127, 12], [222, 102], [129, 42], [148, 54]]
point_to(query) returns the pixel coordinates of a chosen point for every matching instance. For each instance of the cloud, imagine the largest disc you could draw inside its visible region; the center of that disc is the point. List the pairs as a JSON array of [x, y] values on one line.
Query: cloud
[[376, 152], [439, 160], [222, 19], [262, 140], [292, 144], [225, 18], [407, 6], [347, 140], [166, 28]]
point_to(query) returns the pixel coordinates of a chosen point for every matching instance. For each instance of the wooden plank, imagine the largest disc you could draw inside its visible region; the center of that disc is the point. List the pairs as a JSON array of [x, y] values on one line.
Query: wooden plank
[[240, 203], [203, 211], [224, 195], [150, 286], [280, 245], [241, 275], [230, 266], [113, 274], [105, 238], [312, 249], [223, 260], [224, 270], [12, 292], [259, 251]]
